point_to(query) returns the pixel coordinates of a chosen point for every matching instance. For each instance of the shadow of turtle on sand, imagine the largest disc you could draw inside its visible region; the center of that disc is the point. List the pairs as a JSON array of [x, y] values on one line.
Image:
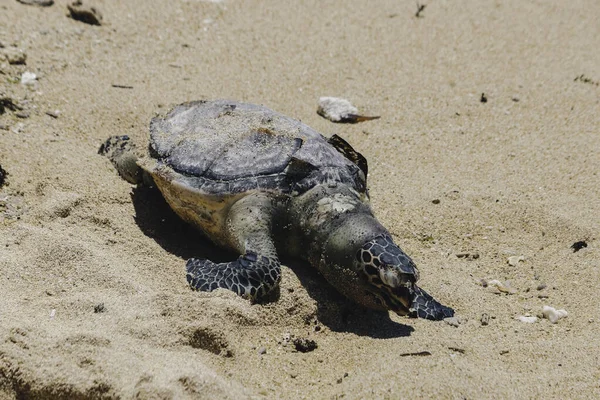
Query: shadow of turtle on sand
[[157, 221], [341, 314]]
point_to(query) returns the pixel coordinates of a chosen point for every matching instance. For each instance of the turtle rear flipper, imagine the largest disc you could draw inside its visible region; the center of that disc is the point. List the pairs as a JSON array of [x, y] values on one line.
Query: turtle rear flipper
[[425, 306], [121, 152], [257, 272]]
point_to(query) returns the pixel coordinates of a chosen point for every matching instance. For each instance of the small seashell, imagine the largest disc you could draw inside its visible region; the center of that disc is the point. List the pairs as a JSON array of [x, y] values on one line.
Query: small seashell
[[340, 110], [28, 79], [552, 314], [503, 287], [514, 260], [527, 319]]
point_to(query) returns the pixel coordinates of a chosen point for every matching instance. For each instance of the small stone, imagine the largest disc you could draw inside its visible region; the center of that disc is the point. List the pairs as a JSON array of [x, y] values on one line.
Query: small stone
[[39, 3], [502, 287], [452, 321], [28, 78], [3, 175], [85, 14], [527, 319], [14, 56], [485, 319], [541, 286], [578, 245], [99, 308], [52, 313], [22, 114], [286, 339], [435, 201], [514, 260], [262, 350], [305, 345], [552, 314], [54, 114], [340, 110]]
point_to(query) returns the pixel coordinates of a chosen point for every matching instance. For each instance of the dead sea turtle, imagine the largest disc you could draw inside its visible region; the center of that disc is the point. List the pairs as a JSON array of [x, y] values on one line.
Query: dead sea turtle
[[262, 184]]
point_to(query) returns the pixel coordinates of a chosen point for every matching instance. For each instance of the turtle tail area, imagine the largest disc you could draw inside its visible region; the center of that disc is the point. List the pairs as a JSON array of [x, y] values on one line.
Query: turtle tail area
[[425, 306], [121, 152]]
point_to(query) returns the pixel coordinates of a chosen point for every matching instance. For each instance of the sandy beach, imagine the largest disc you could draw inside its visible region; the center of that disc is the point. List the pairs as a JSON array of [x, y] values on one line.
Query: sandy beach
[[484, 166]]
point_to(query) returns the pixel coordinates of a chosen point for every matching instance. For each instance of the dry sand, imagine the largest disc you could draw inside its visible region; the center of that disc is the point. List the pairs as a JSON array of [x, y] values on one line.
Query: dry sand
[[515, 176]]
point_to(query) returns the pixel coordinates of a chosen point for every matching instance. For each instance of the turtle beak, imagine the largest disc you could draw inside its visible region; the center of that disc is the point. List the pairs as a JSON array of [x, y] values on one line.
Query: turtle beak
[[403, 296], [425, 306]]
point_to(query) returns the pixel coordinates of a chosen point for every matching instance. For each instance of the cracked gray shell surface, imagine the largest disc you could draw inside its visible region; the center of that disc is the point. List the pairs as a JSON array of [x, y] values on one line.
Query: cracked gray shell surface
[[228, 147]]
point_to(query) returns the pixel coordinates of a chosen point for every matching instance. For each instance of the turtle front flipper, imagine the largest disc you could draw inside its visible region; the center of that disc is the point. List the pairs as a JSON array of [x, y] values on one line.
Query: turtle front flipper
[[257, 272], [425, 306], [251, 276]]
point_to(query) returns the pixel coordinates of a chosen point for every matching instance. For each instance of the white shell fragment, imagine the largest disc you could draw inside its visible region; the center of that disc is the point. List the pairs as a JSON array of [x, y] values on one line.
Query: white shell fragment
[[28, 78], [514, 260], [452, 321], [527, 319], [552, 314], [503, 287], [340, 110]]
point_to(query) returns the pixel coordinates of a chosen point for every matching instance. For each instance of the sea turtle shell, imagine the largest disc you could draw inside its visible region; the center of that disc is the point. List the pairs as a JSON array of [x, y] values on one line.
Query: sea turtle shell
[[228, 147]]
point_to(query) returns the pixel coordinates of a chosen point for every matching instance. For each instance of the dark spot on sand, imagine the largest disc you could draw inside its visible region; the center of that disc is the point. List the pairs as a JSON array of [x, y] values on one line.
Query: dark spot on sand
[[305, 345], [578, 245]]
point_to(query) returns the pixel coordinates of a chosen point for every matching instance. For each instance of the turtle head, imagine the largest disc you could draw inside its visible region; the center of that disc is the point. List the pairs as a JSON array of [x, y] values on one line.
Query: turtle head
[[358, 256], [389, 274]]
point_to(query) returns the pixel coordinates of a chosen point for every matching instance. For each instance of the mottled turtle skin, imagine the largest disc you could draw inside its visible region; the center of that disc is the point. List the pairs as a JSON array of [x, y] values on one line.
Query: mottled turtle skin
[[263, 184]]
